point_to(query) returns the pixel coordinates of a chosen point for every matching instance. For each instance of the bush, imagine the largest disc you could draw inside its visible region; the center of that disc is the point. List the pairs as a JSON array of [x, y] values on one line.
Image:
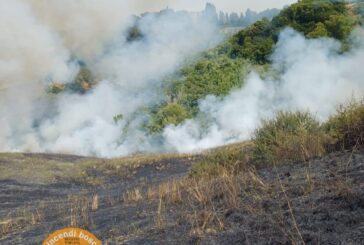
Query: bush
[[347, 126], [291, 136], [317, 19], [216, 75], [171, 114], [254, 43], [319, 31]]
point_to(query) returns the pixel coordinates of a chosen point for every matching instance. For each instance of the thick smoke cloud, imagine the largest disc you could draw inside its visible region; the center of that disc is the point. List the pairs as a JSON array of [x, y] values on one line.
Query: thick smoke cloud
[[133, 73], [28, 51], [83, 25], [315, 77], [29, 54], [41, 42]]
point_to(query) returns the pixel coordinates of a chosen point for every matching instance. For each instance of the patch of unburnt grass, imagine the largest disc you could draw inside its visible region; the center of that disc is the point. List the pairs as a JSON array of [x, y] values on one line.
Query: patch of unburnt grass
[[233, 158], [289, 137], [346, 127]]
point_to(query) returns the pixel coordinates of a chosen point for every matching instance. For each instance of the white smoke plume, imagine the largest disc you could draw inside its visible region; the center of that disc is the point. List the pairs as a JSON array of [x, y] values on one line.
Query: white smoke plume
[[29, 50], [315, 77], [40, 41], [83, 25]]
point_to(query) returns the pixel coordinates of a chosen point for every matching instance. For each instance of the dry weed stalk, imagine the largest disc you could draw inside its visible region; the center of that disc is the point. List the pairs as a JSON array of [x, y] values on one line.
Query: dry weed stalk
[[95, 202], [133, 196], [80, 211], [160, 219]]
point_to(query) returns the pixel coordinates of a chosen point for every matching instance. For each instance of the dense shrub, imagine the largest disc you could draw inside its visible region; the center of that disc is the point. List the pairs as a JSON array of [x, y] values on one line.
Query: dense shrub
[[347, 126], [171, 114], [305, 16], [211, 75], [215, 75], [254, 43], [312, 18], [290, 136]]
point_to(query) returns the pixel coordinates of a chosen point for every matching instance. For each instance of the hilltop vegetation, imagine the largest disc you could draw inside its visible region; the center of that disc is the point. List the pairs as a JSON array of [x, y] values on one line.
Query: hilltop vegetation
[[218, 71]]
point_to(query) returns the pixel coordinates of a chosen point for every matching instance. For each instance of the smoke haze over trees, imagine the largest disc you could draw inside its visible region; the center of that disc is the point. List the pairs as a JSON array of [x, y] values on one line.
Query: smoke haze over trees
[[87, 79], [245, 19], [232, 19]]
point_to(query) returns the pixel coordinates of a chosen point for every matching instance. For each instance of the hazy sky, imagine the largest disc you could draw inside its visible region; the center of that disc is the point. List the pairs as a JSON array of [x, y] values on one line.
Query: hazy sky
[[198, 5]]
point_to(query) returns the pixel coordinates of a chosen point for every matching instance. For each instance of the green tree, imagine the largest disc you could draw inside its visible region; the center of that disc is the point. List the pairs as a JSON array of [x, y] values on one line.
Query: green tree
[[319, 31], [339, 26]]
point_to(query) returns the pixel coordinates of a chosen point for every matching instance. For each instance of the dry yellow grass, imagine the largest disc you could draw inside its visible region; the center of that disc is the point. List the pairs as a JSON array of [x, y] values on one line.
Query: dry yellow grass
[[80, 207], [95, 202], [197, 198], [38, 168], [138, 160], [45, 169], [133, 196], [23, 217]]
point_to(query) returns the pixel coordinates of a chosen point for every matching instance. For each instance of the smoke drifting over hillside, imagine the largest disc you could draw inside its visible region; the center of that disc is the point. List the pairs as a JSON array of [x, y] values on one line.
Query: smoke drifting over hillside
[[315, 77], [42, 41]]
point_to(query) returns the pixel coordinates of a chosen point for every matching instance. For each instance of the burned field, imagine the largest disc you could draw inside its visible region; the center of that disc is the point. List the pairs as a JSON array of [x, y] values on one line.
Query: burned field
[[155, 200]]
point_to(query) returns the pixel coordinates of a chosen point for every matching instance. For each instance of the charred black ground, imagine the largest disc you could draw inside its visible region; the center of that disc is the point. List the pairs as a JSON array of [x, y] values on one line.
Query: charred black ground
[[316, 202]]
